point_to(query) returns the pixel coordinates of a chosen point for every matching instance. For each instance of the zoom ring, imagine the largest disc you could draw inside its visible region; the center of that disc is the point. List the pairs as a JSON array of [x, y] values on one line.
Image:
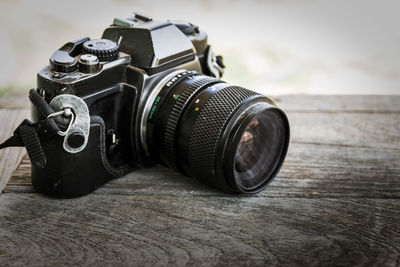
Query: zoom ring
[[209, 126], [176, 111]]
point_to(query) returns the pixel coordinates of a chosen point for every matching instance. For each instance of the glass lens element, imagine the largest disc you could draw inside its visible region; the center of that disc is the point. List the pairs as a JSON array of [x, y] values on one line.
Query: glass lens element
[[259, 149]]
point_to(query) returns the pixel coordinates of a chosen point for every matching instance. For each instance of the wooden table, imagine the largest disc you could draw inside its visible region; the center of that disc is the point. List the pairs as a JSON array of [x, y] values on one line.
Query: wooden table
[[336, 201]]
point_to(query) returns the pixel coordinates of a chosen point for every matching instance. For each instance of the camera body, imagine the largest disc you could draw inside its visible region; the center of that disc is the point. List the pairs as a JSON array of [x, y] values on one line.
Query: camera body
[[148, 92], [115, 88]]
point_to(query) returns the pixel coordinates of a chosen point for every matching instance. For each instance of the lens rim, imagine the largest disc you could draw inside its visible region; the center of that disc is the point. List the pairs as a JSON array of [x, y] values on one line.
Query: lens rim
[[237, 130]]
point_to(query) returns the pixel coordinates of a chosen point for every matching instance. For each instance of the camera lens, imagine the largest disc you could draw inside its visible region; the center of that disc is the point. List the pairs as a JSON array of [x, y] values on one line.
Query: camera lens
[[227, 136]]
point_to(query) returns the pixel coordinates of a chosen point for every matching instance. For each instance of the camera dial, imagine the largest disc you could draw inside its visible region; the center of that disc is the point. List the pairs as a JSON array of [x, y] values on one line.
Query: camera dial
[[103, 49]]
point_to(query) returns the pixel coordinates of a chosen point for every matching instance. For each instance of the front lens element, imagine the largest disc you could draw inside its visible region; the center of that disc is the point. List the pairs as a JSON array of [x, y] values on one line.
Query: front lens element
[[247, 152], [259, 149]]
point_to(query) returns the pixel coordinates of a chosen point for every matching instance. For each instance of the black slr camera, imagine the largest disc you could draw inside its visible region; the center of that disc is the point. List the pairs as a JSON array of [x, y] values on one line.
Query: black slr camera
[[148, 92]]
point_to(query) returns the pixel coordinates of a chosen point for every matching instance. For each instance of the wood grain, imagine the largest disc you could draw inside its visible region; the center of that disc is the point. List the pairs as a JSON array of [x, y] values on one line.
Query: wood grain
[[15, 100], [339, 103], [212, 230], [336, 201], [13, 110]]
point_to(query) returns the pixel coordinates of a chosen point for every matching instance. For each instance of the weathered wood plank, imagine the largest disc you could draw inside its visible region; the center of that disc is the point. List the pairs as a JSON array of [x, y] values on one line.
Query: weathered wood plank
[[144, 230], [15, 100], [335, 202], [13, 109], [339, 103], [10, 157], [346, 129]]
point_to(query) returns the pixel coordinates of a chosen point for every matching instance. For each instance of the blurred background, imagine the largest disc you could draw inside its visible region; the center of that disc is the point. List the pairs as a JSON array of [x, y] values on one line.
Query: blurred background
[[274, 47]]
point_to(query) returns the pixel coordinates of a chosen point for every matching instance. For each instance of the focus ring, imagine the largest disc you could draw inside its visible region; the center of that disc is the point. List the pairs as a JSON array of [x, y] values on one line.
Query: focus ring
[[208, 128], [184, 98]]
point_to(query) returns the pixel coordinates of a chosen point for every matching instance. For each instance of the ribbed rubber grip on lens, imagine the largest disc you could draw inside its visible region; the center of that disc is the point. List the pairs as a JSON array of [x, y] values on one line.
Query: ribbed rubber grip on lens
[[169, 136], [209, 126]]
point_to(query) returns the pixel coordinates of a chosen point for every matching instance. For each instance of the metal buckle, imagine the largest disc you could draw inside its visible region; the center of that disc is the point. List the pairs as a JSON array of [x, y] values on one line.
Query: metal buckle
[[75, 108], [67, 112]]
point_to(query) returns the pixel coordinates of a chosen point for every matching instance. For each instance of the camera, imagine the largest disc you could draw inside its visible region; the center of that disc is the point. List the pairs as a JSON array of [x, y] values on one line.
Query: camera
[[148, 92]]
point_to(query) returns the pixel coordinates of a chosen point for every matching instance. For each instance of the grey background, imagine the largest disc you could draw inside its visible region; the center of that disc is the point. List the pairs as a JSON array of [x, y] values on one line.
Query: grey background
[[275, 47]]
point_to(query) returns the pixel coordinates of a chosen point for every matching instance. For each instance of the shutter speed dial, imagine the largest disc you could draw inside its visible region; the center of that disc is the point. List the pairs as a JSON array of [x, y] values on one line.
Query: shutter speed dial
[[103, 49]]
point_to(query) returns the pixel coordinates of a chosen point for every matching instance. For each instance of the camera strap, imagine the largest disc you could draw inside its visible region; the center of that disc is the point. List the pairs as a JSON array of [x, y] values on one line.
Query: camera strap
[[28, 134]]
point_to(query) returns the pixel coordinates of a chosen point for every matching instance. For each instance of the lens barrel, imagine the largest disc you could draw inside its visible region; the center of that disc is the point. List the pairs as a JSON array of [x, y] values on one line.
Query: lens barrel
[[226, 136]]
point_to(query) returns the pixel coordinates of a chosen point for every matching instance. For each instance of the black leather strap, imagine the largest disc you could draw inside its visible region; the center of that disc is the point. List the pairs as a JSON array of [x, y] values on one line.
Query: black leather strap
[[14, 140], [26, 135]]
